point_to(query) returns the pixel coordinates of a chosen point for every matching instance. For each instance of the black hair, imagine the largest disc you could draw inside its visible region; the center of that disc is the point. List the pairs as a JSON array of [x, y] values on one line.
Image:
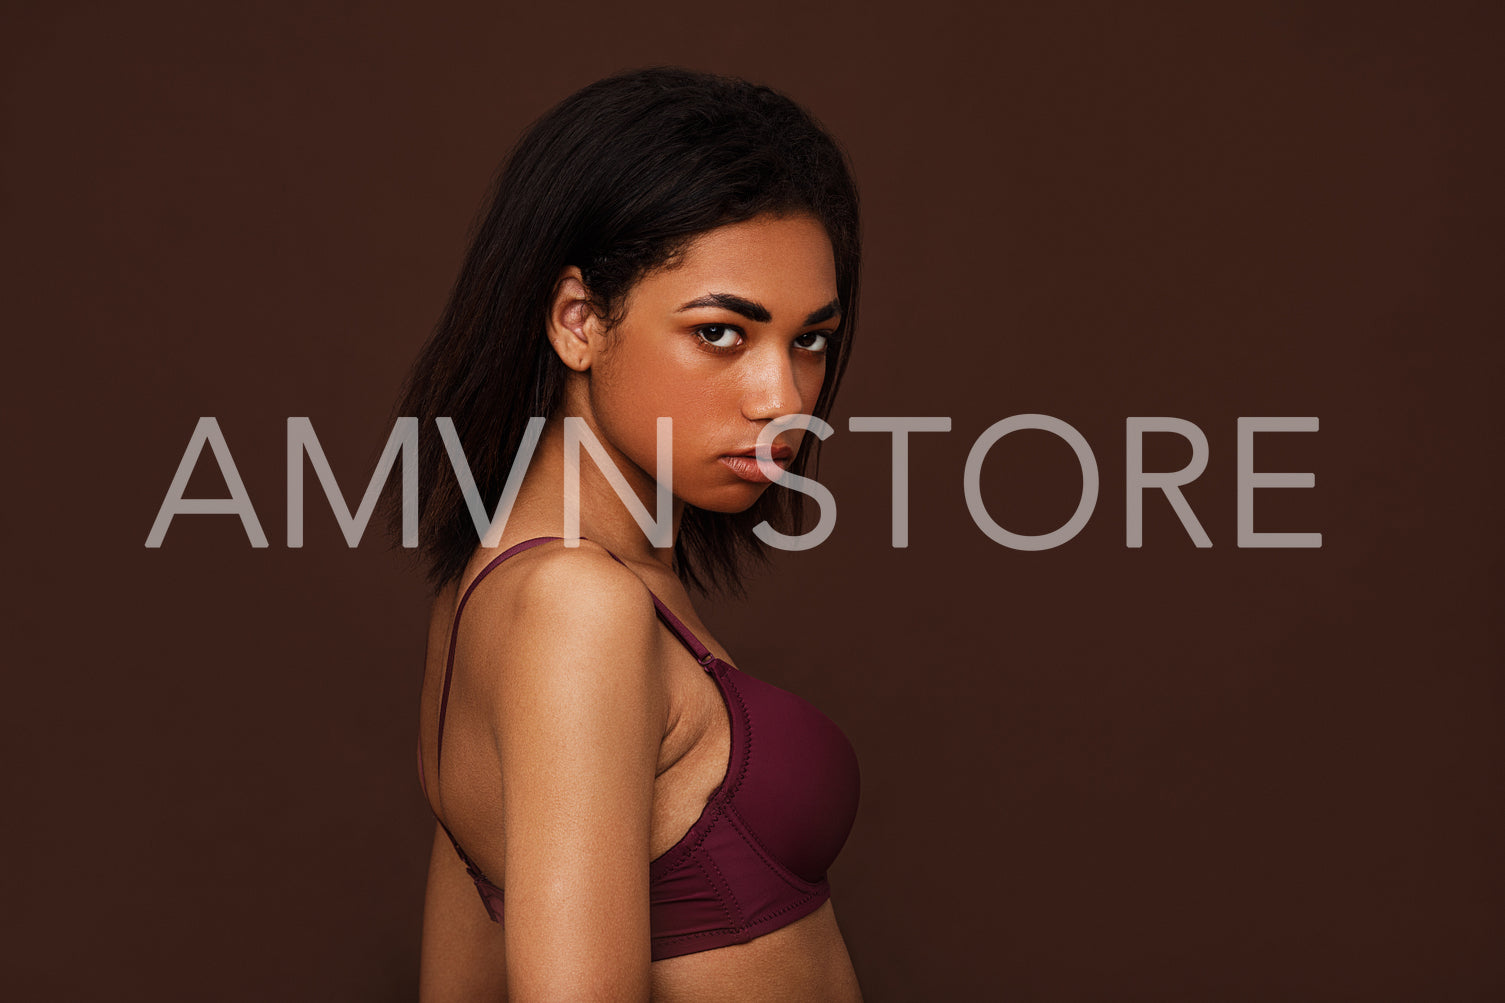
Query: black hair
[[616, 180]]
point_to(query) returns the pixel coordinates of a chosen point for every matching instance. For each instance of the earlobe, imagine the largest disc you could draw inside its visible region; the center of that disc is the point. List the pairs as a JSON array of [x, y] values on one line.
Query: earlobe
[[570, 322]]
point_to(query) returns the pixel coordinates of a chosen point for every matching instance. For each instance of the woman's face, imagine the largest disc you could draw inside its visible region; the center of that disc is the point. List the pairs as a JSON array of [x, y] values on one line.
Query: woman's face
[[729, 337]]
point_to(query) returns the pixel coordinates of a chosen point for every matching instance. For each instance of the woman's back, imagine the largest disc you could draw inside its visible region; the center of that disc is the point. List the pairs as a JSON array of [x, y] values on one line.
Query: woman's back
[[597, 734]]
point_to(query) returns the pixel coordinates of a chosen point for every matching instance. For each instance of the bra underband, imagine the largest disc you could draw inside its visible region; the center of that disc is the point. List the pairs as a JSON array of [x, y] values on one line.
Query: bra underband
[[757, 857]]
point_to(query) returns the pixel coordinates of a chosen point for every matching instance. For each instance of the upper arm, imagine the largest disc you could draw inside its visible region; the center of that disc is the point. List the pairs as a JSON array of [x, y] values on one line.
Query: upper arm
[[578, 714]]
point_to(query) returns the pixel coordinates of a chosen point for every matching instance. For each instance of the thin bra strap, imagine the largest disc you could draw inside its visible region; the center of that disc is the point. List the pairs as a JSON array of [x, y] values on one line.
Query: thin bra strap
[[686, 637], [702, 654], [454, 633]]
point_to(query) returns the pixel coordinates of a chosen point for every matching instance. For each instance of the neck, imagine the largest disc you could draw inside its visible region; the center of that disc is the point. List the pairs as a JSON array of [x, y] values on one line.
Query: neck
[[604, 517]]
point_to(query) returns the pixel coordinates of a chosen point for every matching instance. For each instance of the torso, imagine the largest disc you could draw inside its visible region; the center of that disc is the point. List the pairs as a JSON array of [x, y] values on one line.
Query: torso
[[806, 959]]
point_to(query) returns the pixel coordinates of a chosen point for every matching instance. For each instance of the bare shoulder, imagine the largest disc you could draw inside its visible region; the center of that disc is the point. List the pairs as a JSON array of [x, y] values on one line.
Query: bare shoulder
[[561, 613], [564, 683]]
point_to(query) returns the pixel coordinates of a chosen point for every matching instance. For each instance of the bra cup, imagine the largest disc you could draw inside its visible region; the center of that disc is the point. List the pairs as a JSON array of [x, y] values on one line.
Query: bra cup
[[800, 791], [756, 859]]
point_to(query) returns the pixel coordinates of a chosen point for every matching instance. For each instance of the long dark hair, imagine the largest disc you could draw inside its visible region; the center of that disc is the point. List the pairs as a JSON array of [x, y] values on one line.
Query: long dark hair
[[616, 179]]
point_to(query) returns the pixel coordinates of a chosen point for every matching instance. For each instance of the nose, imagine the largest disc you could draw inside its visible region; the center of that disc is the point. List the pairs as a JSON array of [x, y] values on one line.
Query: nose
[[770, 389]]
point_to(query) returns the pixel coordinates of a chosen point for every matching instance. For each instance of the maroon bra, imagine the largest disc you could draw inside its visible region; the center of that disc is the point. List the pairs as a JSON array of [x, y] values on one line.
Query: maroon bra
[[756, 858]]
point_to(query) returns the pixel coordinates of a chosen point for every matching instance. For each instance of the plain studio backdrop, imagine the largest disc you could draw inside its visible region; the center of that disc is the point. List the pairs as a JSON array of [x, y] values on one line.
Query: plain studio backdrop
[[1094, 772]]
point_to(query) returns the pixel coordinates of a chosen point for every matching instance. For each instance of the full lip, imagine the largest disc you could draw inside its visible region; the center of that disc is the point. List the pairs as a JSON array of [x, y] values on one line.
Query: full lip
[[744, 463], [777, 452]]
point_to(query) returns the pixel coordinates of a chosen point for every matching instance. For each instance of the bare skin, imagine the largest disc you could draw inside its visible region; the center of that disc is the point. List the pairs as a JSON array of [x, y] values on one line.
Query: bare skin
[[574, 757]]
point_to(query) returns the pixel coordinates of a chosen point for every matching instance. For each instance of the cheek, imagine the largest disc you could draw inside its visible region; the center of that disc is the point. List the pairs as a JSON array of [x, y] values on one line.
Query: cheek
[[810, 378], [667, 388], [632, 393]]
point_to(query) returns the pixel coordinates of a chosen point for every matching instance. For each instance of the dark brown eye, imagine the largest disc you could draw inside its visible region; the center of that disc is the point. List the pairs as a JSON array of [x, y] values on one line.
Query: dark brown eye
[[719, 335], [814, 341]]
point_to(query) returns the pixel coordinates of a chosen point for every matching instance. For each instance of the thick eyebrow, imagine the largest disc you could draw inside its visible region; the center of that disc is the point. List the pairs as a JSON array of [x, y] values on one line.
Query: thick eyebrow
[[826, 312], [756, 311], [731, 301]]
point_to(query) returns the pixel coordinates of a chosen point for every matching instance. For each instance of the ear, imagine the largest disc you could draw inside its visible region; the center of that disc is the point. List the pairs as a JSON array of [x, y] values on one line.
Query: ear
[[573, 327]]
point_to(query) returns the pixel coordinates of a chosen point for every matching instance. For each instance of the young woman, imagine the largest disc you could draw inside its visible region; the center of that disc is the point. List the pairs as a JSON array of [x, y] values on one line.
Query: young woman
[[623, 814]]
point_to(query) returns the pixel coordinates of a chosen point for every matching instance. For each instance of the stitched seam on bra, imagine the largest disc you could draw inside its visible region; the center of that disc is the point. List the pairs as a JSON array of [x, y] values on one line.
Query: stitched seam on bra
[[723, 890], [684, 635], [725, 681], [760, 922], [751, 838], [716, 805], [719, 805]]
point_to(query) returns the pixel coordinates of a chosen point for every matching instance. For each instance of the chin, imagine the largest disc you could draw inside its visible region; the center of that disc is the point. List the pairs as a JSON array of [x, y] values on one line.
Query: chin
[[728, 500]]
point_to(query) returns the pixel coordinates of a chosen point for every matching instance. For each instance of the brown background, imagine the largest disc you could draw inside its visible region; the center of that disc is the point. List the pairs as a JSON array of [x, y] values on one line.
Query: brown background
[[1092, 773]]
